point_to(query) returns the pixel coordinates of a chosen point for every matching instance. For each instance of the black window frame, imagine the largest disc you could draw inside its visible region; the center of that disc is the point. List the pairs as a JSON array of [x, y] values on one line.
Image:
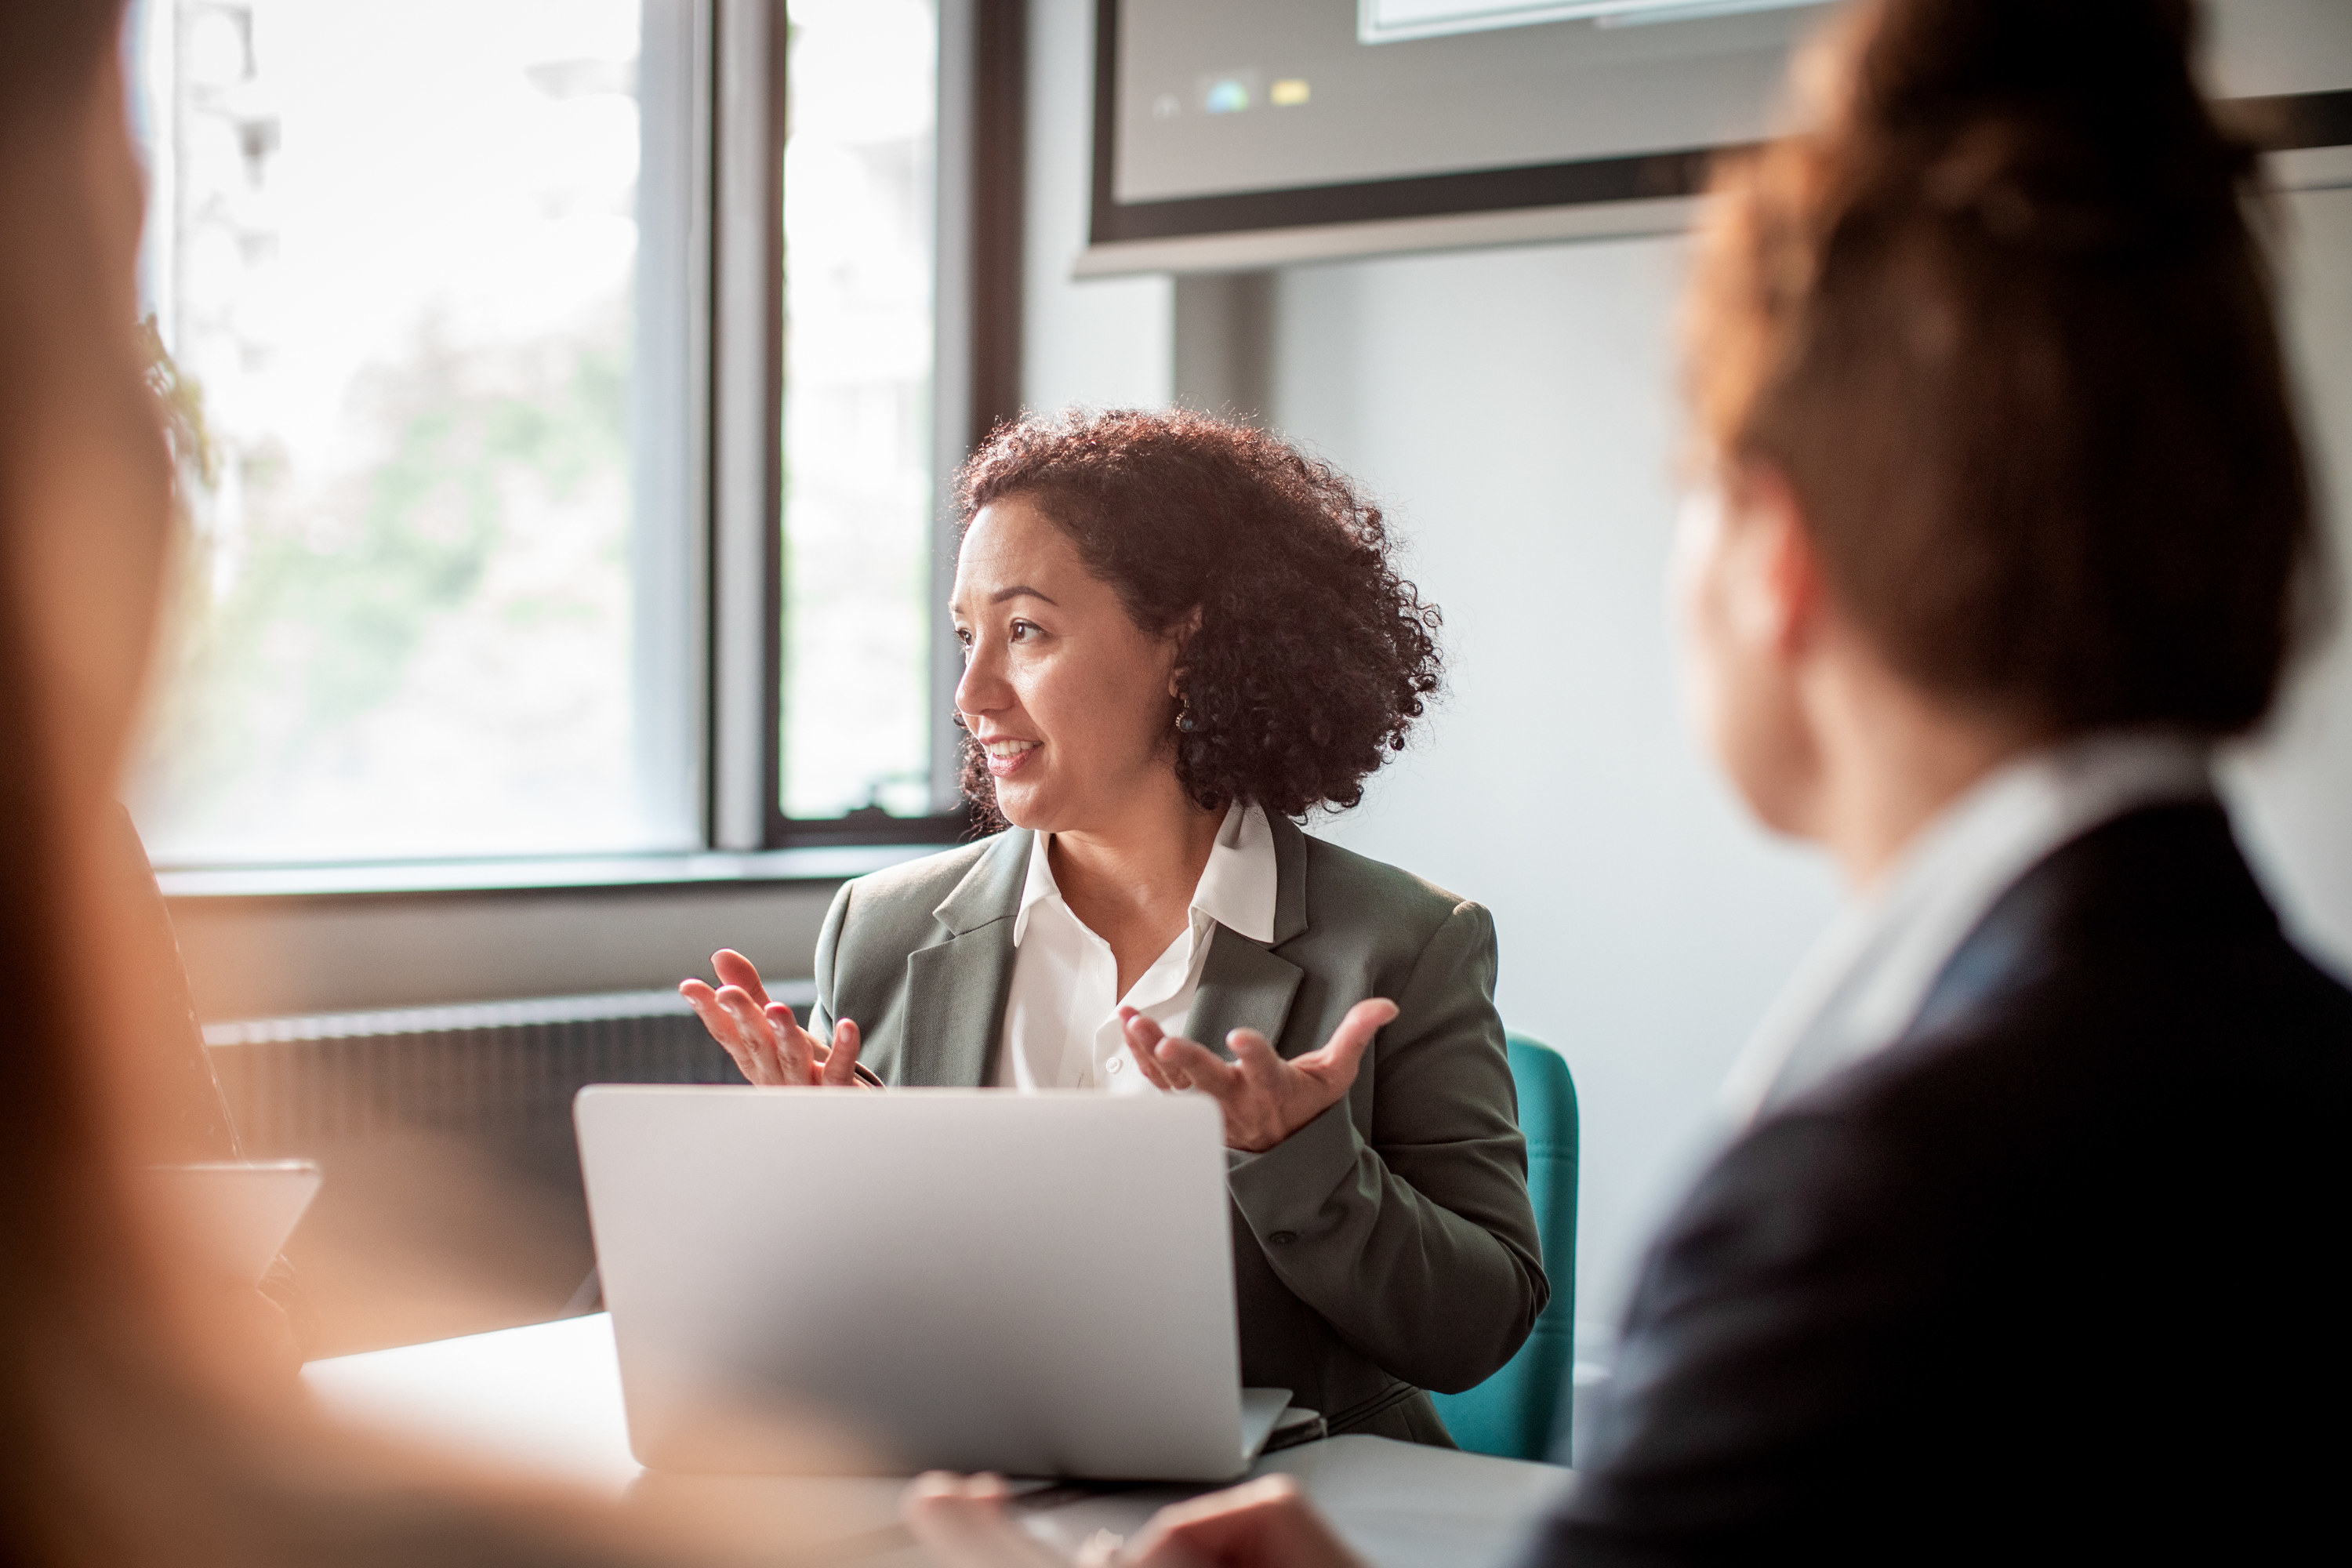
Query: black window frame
[[976, 386]]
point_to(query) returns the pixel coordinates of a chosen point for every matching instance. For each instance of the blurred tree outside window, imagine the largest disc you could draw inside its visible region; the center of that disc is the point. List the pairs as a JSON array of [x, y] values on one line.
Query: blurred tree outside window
[[425, 268]]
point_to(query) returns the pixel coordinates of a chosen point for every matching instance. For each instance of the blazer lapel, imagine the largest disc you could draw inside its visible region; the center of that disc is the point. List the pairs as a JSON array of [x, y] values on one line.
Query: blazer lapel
[[956, 987], [1246, 984], [1242, 986]]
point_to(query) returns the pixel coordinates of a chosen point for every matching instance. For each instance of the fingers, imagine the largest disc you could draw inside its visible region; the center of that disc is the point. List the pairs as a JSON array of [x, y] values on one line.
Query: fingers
[[841, 1061], [1150, 1067], [733, 969], [753, 1038], [1253, 1056], [1142, 1036], [762, 1036], [1337, 1061], [1173, 1062], [961, 1523], [1266, 1523], [743, 1036], [1197, 1066], [796, 1048], [736, 1014]]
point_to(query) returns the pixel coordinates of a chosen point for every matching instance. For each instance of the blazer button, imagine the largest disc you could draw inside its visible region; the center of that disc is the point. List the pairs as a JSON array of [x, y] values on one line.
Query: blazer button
[[1283, 1238]]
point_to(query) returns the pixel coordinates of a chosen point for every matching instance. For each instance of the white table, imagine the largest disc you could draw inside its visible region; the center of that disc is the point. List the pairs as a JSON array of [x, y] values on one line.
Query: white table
[[548, 1399]]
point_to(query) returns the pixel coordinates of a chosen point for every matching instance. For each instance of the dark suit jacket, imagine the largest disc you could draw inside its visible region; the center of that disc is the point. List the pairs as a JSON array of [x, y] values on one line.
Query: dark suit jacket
[[1387, 1247], [2055, 1275]]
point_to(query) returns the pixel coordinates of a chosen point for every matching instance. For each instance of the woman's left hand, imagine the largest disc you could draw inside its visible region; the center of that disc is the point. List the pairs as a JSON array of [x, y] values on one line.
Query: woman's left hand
[[1265, 1098]]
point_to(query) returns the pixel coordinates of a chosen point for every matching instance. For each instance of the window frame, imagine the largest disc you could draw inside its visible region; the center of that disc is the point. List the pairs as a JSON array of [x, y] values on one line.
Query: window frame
[[975, 384]]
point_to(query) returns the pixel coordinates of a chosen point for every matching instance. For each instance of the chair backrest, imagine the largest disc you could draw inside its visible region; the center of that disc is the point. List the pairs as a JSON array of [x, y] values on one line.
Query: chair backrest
[[1522, 1412]]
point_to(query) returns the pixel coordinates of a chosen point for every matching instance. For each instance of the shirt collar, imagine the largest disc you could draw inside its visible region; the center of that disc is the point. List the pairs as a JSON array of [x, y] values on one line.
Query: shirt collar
[[1866, 979], [1237, 887]]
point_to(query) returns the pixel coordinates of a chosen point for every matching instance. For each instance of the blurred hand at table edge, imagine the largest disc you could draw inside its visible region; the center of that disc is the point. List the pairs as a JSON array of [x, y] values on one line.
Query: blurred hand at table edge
[[767, 1044], [962, 1521], [1265, 1098]]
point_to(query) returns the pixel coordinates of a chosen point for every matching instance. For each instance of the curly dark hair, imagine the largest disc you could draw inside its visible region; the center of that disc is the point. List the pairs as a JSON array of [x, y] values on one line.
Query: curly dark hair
[[1313, 657]]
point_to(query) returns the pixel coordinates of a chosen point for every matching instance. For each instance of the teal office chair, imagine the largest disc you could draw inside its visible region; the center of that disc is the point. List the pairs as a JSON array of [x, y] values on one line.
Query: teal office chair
[[1522, 1412]]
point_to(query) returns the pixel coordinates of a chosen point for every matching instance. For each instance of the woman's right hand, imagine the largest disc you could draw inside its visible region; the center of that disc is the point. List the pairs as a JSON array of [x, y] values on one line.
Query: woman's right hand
[[767, 1042]]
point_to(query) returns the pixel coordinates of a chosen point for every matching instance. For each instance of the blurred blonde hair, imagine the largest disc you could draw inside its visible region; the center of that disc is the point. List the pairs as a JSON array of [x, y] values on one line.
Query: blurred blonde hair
[[137, 1424]]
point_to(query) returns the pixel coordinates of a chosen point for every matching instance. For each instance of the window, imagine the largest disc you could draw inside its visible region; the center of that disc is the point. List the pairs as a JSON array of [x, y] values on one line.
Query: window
[[450, 278], [397, 250], [858, 282]]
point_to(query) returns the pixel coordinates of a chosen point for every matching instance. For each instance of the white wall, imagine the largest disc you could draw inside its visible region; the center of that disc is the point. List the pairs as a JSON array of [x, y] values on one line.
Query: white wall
[[1516, 410], [2293, 788], [1103, 343]]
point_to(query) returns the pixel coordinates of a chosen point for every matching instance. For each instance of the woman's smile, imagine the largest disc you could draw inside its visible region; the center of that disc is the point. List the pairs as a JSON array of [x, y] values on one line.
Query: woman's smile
[[1006, 755]]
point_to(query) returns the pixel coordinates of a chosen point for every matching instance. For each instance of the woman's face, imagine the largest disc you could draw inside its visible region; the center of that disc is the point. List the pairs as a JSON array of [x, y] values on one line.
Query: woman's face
[[1073, 701]]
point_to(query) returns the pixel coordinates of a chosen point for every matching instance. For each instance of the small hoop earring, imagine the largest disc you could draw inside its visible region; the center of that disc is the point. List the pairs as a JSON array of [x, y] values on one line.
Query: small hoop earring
[[1184, 716]]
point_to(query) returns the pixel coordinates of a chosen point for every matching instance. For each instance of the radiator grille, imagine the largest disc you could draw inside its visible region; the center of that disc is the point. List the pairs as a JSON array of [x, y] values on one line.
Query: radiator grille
[[450, 1129], [294, 1083]]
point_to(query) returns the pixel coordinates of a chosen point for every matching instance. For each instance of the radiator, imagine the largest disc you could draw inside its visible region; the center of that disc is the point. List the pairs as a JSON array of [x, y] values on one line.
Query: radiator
[[451, 1128], [294, 1083]]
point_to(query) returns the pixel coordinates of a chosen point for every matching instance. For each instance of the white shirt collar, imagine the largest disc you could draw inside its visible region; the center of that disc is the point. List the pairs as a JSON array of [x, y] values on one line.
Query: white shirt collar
[[1870, 972], [1237, 888]]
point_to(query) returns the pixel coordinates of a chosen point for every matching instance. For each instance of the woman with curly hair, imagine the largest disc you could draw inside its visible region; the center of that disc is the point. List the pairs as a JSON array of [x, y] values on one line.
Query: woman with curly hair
[[2002, 525], [1180, 636]]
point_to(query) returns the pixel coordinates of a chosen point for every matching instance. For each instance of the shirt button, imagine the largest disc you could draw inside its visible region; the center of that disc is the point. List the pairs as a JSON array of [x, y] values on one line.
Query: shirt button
[[1116, 1063], [1283, 1238]]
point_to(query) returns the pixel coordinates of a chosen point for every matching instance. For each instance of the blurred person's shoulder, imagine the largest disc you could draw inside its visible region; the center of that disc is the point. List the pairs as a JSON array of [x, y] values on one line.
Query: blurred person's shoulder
[[2126, 1083], [2125, 1051], [2140, 971]]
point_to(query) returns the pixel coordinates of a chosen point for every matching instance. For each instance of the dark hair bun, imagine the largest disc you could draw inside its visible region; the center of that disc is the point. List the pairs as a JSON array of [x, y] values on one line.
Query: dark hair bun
[[2066, 125], [1996, 311]]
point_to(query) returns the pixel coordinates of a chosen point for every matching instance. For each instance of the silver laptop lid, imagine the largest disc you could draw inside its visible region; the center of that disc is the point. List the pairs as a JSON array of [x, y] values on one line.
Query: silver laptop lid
[[1039, 1284]]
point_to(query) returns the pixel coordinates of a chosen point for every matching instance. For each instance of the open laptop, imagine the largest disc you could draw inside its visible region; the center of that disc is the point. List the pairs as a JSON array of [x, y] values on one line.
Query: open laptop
[[1036, 1284]]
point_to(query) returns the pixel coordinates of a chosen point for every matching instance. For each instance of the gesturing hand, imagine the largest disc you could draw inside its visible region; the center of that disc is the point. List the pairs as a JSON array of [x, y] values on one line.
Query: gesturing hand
[[766, 1041], [1265, 1098], [963, 1522]]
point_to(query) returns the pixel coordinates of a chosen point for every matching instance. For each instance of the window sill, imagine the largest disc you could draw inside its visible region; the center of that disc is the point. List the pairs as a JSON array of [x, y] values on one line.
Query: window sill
[[829, 863]]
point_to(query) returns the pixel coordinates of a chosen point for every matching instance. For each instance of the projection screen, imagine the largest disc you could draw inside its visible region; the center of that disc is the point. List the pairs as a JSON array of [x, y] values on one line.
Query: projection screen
[[1241, 133]]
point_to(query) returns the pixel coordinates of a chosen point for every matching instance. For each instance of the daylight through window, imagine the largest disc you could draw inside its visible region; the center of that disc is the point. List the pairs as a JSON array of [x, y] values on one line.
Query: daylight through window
[[396, 251], [858, 269]]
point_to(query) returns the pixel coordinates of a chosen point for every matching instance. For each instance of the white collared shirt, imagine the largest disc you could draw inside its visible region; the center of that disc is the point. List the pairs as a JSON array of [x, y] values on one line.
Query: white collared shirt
[[1061, 1017], [1865, 981]]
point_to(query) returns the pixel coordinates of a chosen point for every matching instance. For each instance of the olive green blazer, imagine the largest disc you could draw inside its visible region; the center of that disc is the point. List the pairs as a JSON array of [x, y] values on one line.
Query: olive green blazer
[[1386, 1248]]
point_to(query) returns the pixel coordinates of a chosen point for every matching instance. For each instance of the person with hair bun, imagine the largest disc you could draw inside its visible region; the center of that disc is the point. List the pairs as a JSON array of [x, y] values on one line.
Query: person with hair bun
[[1181, 636], [2024, 1244]]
